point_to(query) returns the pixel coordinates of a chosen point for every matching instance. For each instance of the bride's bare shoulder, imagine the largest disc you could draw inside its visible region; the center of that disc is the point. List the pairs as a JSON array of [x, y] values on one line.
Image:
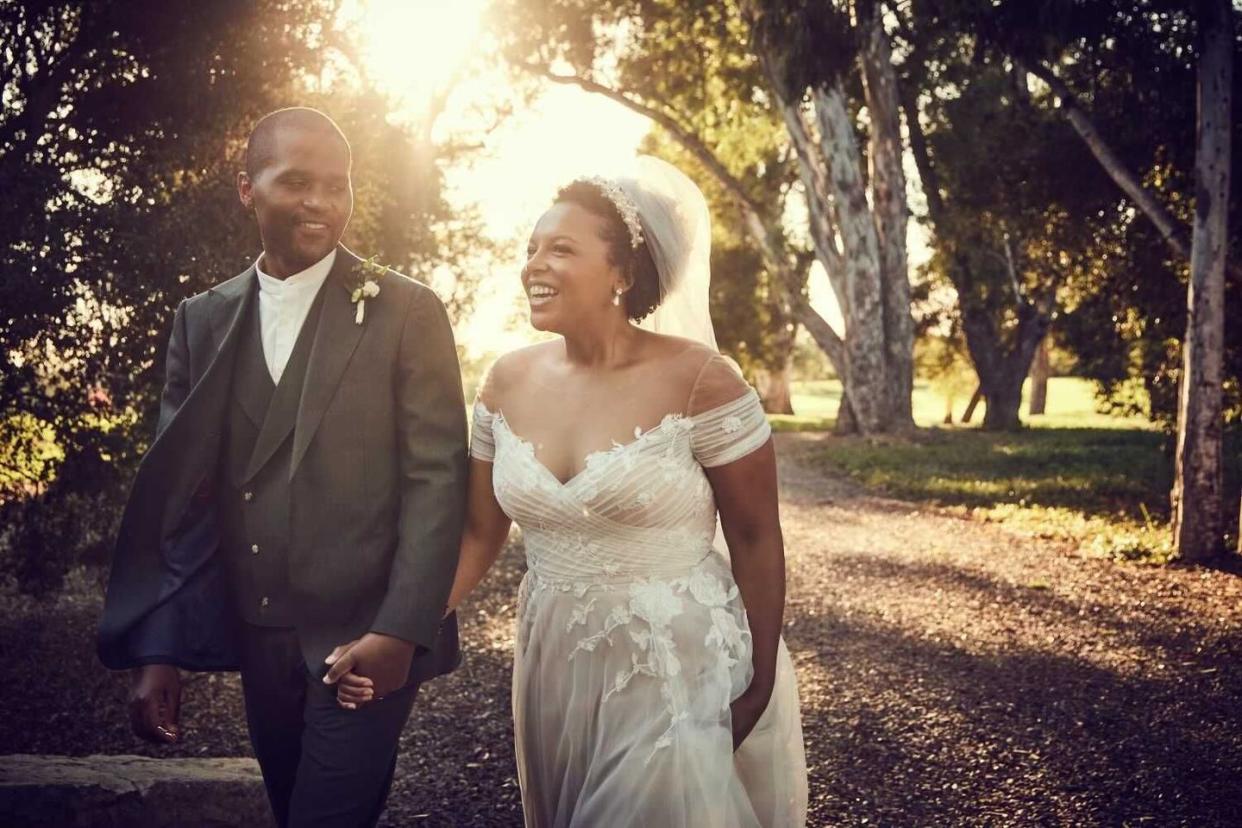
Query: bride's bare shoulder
[[511, 368]]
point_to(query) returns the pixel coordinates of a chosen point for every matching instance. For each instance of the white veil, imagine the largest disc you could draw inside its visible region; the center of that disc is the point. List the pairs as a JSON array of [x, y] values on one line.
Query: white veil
[[677, 228]]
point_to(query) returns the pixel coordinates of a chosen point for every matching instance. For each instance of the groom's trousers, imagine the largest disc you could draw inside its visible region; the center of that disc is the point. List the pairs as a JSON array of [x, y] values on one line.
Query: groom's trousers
[[322, 765]]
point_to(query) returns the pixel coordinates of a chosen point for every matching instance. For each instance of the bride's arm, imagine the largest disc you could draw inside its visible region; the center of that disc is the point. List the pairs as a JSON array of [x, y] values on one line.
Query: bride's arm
[[746, 496], [484, 535]]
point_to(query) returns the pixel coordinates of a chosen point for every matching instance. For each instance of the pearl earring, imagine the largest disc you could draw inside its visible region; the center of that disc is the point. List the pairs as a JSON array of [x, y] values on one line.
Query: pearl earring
[[616, 297]]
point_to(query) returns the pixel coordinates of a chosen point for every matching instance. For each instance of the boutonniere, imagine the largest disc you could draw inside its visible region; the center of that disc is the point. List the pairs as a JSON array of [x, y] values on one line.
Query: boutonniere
[[365, 286]]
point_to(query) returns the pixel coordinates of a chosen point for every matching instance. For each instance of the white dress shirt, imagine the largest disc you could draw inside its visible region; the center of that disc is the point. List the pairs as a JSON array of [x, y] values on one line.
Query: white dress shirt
[[283, 306]]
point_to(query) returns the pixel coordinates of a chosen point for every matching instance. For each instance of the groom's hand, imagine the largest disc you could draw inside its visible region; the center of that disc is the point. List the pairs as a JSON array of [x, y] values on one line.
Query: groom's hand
[[155, 703], [384, 659]]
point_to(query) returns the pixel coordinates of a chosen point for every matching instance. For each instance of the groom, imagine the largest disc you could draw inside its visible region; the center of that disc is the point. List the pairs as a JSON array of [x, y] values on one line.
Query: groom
[[304, 494]]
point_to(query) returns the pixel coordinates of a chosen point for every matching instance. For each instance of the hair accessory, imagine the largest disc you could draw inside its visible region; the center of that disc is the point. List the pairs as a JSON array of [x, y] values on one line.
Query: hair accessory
[[624, 204]]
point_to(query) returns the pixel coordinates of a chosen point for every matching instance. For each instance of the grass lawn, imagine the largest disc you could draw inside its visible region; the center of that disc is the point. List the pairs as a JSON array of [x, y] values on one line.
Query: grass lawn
[[1099, 481]]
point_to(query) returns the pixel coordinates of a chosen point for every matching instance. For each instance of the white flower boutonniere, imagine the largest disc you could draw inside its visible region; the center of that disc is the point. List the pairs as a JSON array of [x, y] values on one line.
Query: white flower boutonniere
[[365, 287]]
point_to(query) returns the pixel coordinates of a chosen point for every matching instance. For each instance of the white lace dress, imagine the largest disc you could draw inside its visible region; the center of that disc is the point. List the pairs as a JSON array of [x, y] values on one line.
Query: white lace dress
[[632, 639]]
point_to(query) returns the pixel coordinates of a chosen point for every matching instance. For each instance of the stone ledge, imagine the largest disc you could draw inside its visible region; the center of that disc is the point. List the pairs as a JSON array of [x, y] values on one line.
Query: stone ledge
[[115, 791]]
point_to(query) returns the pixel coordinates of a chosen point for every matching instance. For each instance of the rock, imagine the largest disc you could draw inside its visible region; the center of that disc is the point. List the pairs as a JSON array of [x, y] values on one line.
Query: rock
[[116, 791]]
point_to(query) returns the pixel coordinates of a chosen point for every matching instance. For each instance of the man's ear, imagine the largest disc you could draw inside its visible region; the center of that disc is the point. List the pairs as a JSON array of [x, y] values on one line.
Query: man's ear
[[245, 190]]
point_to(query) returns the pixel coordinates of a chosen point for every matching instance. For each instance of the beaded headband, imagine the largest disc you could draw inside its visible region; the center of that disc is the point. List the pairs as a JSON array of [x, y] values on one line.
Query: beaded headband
[[624, 204]]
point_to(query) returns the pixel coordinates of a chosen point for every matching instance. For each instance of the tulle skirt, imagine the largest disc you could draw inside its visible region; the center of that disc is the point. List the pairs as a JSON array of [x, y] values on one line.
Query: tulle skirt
[[621, 707]]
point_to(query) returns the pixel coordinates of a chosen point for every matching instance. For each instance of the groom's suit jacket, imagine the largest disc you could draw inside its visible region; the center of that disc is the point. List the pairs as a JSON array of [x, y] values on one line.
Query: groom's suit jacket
[[376, 466]]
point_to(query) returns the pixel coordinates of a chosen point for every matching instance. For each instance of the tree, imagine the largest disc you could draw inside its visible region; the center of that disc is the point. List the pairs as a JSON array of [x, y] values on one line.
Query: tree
[[1011, 199], [855, 191], [1040, 369], [117, 120]]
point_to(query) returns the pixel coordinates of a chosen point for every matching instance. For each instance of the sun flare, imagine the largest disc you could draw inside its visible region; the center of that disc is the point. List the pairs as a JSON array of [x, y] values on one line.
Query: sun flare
[[414, 47]]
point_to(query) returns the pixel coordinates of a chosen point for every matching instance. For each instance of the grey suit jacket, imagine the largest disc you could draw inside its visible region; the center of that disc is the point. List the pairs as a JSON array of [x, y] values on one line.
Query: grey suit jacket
[[377, 478]]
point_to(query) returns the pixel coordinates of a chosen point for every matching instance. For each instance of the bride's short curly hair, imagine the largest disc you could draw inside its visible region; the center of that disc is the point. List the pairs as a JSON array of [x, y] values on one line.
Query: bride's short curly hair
[[645, 293]]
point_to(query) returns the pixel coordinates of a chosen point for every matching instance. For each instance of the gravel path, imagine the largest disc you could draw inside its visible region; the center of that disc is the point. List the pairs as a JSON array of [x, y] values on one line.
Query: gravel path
[[951, 672]]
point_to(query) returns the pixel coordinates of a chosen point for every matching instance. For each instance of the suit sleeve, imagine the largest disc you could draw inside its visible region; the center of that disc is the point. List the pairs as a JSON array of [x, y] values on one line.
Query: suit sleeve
[[431, 424], [176, 371]]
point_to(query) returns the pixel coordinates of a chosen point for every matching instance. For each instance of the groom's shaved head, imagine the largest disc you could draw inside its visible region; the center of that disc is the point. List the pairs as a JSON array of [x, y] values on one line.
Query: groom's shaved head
[[261, 146]]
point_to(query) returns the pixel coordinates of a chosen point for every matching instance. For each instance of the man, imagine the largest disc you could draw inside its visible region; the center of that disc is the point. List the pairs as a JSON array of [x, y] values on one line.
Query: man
[[302, 502]]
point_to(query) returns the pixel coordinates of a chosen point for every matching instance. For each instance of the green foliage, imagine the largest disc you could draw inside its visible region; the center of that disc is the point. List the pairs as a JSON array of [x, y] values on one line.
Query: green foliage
[[815, 42]]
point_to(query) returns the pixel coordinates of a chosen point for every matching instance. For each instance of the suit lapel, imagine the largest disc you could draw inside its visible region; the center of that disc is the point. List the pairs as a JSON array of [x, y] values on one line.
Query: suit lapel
[[334, 345], [230, 302]]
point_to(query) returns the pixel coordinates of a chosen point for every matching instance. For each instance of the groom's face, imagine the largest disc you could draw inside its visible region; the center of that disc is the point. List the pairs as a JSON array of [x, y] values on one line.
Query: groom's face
[[302, 197]]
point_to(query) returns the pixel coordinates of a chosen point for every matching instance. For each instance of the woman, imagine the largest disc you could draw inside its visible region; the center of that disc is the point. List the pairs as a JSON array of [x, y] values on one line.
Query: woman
[[644, 657]]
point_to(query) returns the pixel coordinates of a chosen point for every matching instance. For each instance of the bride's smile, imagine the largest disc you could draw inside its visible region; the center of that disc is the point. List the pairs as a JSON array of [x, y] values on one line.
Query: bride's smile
[[571, 276]]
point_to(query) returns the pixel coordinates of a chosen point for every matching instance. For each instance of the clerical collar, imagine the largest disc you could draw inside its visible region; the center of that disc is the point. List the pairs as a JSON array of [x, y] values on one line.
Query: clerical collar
[[313, 275]]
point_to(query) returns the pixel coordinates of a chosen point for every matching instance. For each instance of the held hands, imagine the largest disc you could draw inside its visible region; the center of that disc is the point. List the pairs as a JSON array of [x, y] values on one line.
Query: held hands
[[368, 668], [155, 703]]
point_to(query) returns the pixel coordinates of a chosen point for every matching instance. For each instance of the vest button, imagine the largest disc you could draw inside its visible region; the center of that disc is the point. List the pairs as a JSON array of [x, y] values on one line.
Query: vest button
[[254, 549], [248, 496]]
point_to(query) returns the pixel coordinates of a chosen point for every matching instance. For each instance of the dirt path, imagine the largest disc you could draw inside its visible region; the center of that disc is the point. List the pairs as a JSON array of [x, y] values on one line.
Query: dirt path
[[951, 672]]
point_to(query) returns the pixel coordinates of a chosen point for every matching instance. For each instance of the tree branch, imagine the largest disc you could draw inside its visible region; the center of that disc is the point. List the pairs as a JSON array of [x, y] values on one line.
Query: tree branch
[[688, 140], [1169, 228], [825, 337]]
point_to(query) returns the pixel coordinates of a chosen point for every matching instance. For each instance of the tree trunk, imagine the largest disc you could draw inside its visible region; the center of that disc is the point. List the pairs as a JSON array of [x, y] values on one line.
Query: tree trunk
[[866, 379], [775, 389], [969, 413], [1001, 368], [1039, 379], [892, 214], [1198, 518], [1004, 396], [846, 423]]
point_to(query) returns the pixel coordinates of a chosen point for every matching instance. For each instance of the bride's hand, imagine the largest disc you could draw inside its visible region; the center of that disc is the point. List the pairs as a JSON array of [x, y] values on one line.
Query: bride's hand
[[747, 709], [353, 690], [384, 659]]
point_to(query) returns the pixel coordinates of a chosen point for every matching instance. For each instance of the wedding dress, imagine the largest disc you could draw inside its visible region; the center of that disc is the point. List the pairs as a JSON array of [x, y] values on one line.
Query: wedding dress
[[631, 636]]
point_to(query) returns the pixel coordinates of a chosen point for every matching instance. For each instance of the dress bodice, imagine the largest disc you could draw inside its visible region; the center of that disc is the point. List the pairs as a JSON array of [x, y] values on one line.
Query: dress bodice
[[641, 509]]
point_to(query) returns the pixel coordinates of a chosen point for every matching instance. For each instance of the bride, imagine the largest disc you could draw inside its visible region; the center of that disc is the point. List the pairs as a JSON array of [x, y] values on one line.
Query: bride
[[651, 685]]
